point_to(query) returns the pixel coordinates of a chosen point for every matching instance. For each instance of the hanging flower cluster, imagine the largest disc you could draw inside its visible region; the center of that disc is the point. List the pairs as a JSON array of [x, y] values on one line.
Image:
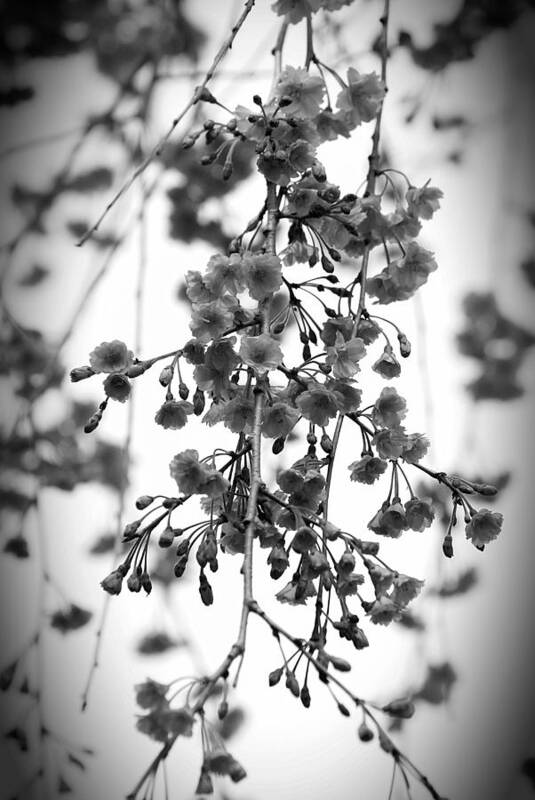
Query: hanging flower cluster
[[237, 364]]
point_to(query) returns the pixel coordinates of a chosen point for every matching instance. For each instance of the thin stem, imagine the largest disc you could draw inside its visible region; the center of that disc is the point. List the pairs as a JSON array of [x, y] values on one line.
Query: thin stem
[[194, 99]]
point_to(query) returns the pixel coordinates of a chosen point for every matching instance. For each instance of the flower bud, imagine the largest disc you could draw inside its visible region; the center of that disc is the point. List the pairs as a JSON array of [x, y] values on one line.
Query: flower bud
[[144, 501], [486, 489], [326, 443], [275, 676], [131, 529], [134, 582], [404, 345], [93, 422], [205, 96], [278, 445], [447, 546], [166, 375], [137, 369], [183, 546], [205, 590], [198, 402], [81, 373], [112, 583], [340, 664], [180, 566], [305, 696], [166, 537], [403, 709], [364, 732], [292, 683]]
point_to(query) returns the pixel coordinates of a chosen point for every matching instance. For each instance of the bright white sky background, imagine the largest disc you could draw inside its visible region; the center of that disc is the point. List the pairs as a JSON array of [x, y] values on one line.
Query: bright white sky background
[[473, 747]]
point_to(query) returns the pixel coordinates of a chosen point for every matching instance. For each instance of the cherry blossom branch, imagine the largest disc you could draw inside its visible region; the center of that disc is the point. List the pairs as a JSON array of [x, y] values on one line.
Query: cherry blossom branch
[[370, 188], [329, 677]]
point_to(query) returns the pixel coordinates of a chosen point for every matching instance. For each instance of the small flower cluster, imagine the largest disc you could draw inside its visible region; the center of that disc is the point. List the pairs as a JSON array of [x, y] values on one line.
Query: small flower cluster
[[161, 722]]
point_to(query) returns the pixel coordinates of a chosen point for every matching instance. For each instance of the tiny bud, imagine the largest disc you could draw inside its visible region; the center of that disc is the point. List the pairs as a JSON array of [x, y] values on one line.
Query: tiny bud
[[205, 590], [198, 402], [93, 422], [311, 438], [486, 489], [326, 443], [183, 546], [113, 582], [166, 375], [364, 732], [275, 676], [344, 710], [144, 501], [340, 664], [278, 445], [227, 170], [134, 582], [404, 345], [183, 391], [146, 582], [279, 328], [208, 124], [305, 696], [447, 546], [180, 566], [257, 100], [80, 374], [188, 142], [166, 537], [206, 96], [292, 683], [131, 529], [232, 124], [137, 369], [334, 254], [285, 101], [222, 709], [327, 265]]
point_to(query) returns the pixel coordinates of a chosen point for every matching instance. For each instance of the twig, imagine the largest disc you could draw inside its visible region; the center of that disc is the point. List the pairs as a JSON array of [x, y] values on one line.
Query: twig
[[158, 148], [138, 317]]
